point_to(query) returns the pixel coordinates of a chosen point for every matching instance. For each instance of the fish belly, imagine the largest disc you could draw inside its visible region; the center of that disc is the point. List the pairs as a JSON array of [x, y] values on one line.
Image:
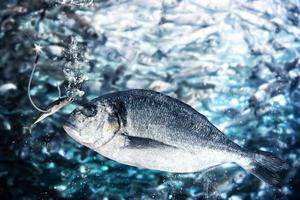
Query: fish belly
[[165, 158]]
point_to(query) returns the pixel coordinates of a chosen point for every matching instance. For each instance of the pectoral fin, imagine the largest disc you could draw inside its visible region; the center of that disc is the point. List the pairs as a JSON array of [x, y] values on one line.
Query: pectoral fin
[[143, 143]]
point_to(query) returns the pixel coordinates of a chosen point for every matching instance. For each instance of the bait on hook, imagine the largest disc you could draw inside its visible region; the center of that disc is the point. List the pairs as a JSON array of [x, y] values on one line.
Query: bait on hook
[[54, 106]]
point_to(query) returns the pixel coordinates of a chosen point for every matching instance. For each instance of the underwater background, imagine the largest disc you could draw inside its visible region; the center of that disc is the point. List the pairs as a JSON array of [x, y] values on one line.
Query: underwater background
[[235, 61]]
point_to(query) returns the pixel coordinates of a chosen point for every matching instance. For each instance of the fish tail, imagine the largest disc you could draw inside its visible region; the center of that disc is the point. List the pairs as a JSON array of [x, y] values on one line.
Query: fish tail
[[264, 166]]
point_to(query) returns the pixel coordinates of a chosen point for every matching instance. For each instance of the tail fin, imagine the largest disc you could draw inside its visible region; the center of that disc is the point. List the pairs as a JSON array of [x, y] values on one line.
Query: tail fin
[[265, 166]]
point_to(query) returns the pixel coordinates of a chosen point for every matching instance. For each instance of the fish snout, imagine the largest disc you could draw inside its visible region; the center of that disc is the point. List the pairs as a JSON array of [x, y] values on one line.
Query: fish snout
[[71, 129]]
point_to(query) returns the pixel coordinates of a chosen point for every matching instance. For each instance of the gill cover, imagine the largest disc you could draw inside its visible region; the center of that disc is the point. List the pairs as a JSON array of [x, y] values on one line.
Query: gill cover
[[114, 123]]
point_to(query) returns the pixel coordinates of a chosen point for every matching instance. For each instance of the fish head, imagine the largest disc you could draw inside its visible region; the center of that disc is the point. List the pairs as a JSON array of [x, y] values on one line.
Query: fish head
[[92, 124]]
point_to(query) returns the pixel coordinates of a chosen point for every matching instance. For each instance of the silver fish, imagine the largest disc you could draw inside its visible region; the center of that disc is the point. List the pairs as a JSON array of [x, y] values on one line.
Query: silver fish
[[148, 129], [51, 109]]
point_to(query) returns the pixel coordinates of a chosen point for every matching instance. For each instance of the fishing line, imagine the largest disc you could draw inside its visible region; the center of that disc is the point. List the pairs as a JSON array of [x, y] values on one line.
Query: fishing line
[[59, 91], [29, 85], [31, 76]]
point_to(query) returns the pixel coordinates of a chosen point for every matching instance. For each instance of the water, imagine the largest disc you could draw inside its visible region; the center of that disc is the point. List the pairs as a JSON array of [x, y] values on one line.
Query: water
[[237, 62]]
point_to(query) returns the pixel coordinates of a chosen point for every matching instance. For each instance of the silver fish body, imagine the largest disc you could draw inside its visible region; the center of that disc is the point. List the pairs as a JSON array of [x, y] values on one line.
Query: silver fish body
[[151, 130]]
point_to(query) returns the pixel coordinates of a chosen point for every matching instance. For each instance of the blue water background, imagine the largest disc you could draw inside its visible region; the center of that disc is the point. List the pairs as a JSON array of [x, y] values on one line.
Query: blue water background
[[237, 62]]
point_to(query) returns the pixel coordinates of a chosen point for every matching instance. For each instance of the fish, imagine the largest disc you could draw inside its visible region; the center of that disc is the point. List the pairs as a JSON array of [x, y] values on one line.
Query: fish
[[151, 130], [51, 109], [7, 87]]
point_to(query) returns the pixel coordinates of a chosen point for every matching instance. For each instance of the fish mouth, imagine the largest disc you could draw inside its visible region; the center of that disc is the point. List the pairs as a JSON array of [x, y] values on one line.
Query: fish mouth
[[71, 129]]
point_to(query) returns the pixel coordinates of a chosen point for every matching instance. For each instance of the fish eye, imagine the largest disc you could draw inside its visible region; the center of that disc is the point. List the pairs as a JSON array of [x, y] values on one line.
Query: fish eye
[[89, 110]]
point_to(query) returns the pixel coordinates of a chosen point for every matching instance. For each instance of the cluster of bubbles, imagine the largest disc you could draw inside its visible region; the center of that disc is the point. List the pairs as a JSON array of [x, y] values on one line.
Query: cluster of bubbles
[[72, 69]]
